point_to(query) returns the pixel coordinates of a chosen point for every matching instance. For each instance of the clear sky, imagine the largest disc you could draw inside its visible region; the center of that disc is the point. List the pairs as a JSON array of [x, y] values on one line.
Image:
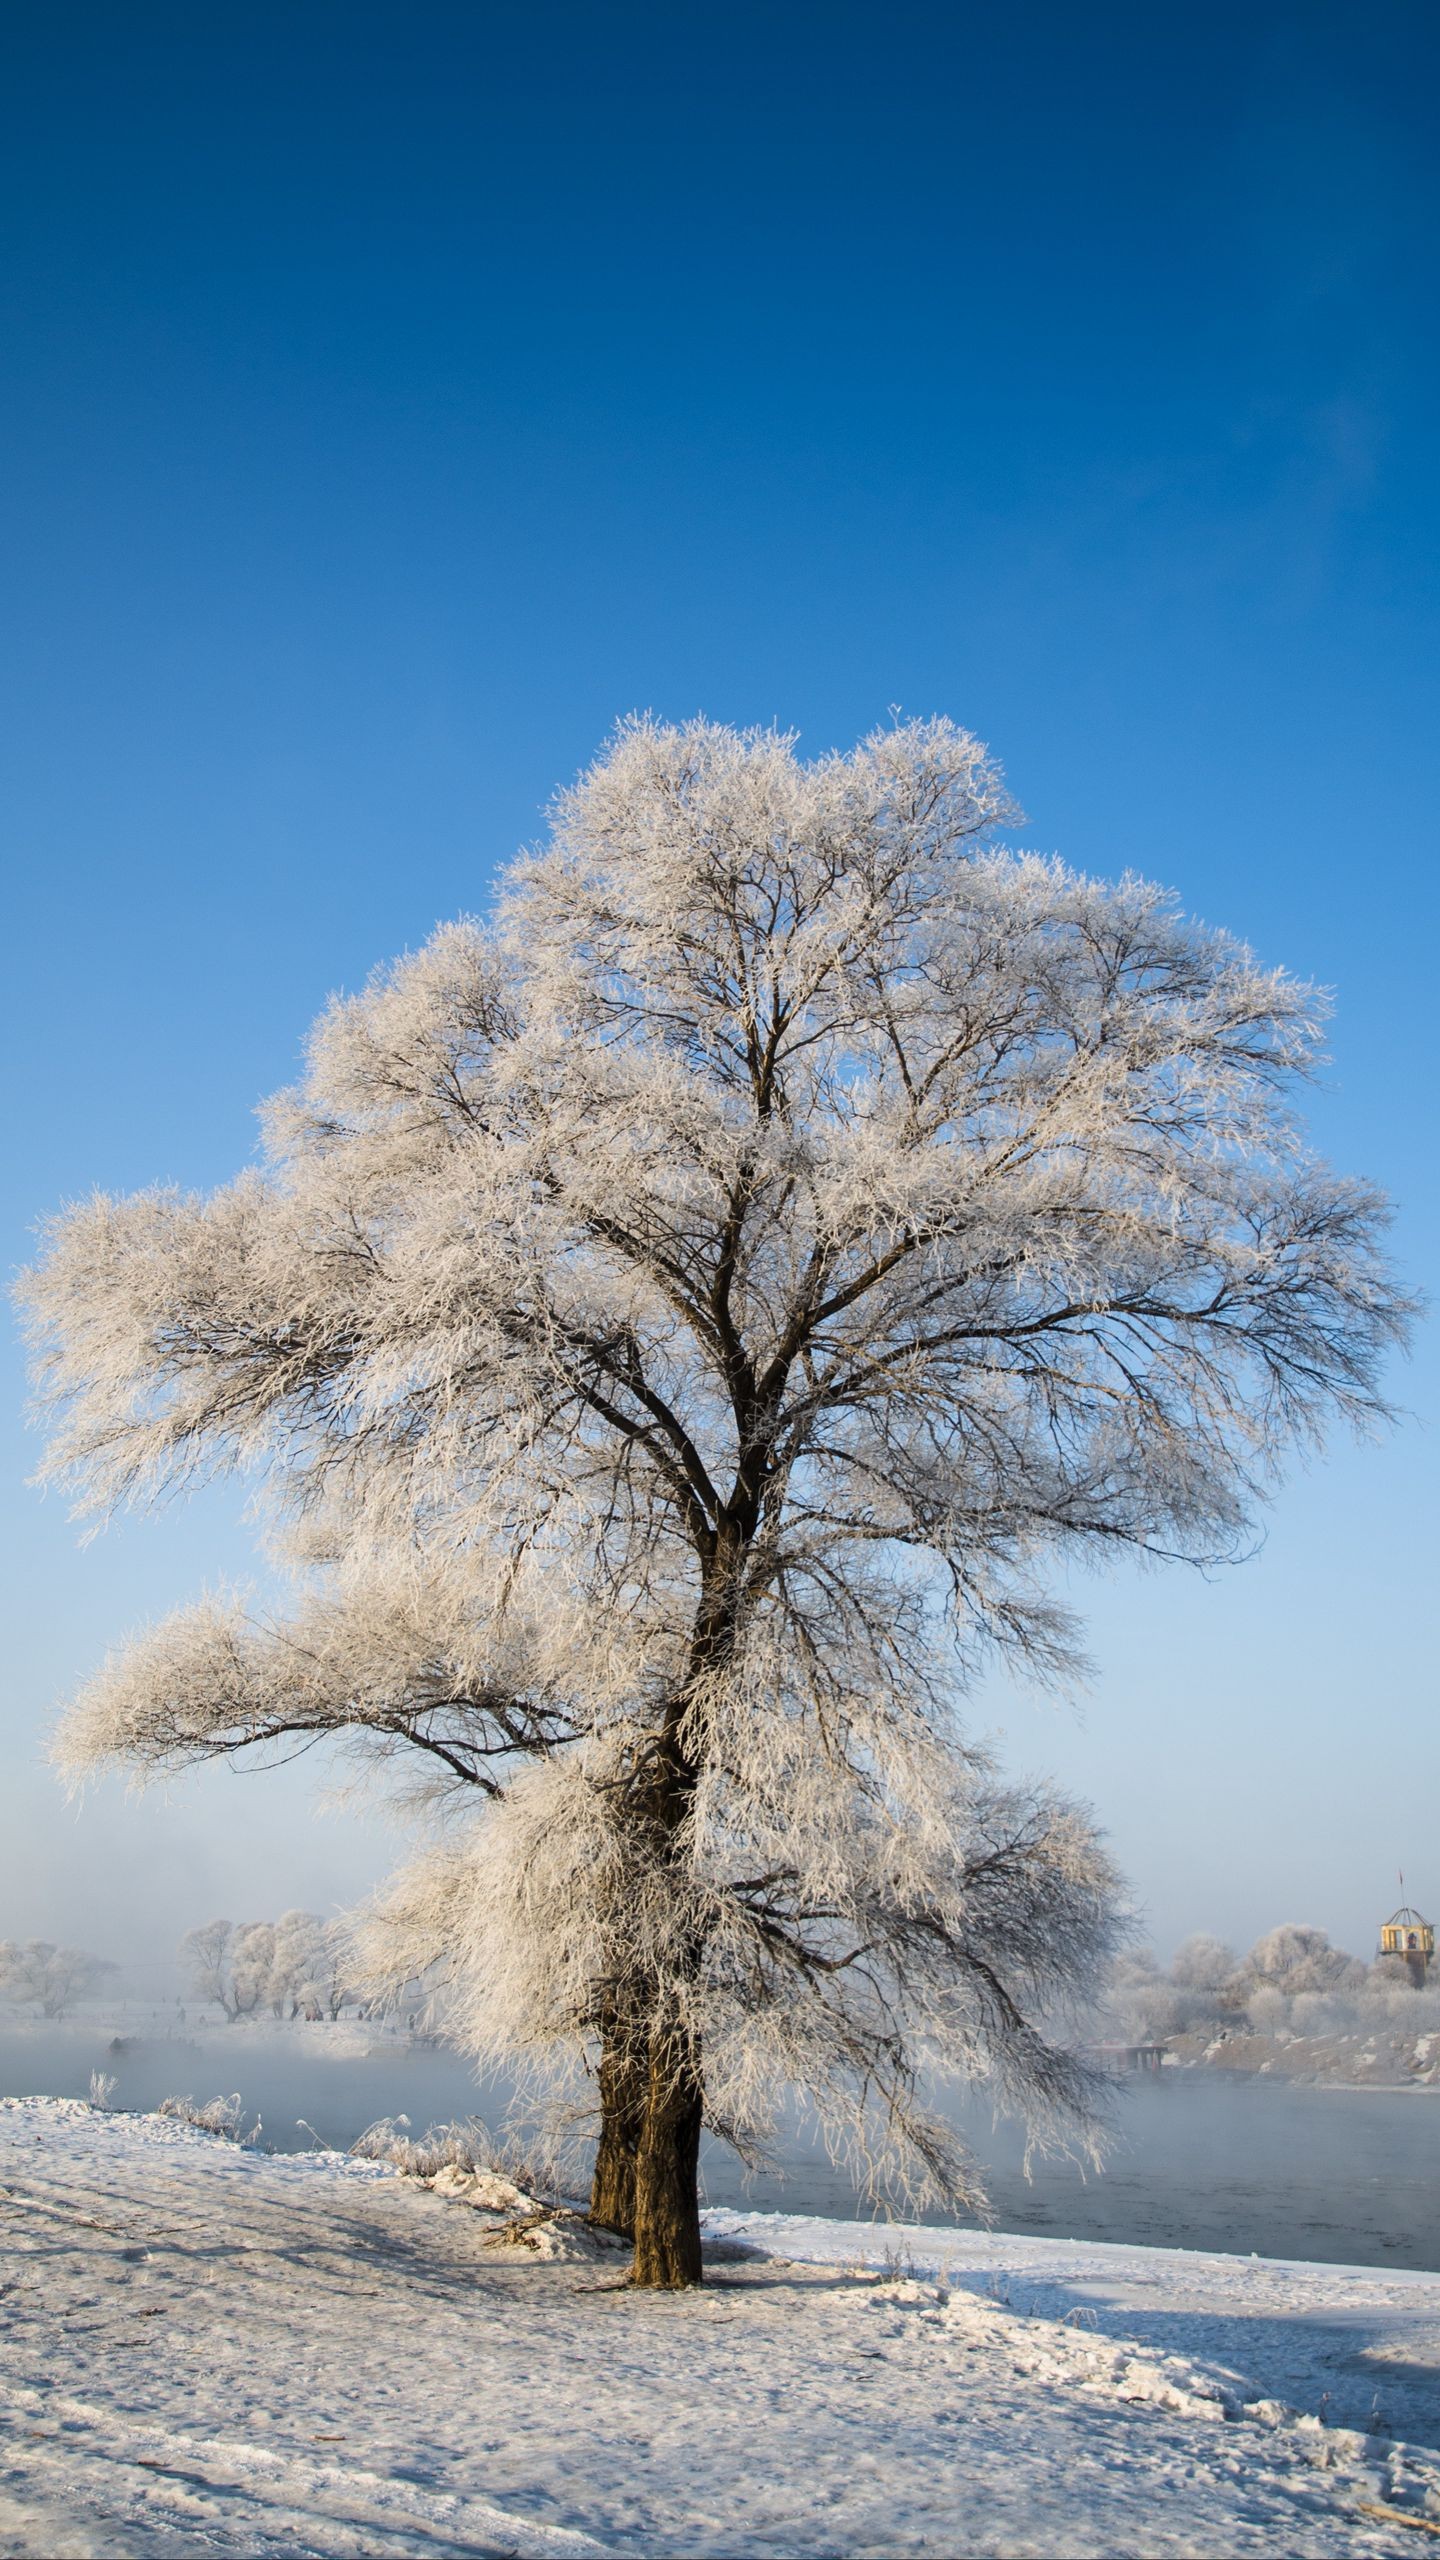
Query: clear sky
[[393, 396]]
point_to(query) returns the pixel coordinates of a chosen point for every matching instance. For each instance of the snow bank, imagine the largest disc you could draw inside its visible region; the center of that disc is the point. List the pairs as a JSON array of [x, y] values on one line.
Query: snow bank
[[209, 2350]]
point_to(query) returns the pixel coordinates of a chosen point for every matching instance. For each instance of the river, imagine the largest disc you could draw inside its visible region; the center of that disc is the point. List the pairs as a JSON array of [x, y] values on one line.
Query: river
[[1200, 2160]]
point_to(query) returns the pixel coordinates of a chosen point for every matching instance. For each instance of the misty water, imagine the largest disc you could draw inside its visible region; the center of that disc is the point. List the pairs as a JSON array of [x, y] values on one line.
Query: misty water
[[1201, 2161]]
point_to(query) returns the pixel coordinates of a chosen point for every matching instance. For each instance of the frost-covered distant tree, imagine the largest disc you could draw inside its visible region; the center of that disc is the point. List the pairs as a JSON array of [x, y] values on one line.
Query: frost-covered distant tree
[[1145, 2005], [54, 1977], [1296, 1957], [681, 1324], [311, 1972], [231, 1965], [297, 1966], [1292, 1986], [1150, 2003], [205, 1953], [252, 1962], [1203, 1963]]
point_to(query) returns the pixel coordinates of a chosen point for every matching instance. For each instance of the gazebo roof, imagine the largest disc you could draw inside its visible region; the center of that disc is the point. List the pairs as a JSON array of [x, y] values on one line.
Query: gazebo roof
[[1405, 1918]]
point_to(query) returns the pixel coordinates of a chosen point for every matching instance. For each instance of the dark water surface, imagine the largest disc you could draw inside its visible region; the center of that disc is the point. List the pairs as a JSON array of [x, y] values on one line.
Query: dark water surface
[[1200, 2161]]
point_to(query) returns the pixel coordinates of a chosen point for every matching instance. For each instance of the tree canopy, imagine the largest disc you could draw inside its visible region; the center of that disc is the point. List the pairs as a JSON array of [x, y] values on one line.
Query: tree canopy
[[680, 1325]]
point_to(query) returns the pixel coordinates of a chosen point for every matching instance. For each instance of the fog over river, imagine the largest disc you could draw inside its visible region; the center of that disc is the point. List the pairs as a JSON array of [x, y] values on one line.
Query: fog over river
[[1201, 2160]]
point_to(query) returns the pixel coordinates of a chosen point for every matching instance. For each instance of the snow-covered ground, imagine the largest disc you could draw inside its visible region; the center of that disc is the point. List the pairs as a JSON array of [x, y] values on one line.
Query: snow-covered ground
[[210, 2350]]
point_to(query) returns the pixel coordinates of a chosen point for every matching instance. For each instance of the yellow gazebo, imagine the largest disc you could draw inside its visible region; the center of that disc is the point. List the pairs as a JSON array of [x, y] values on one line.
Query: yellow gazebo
[[1406, 1934]]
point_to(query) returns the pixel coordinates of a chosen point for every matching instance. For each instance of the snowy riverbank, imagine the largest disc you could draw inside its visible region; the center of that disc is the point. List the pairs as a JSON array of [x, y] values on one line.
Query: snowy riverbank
[[176, 2022], [1201, 2160], [209, 2350]]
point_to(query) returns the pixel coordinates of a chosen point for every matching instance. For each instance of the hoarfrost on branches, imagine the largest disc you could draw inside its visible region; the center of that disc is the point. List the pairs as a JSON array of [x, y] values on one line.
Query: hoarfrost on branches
[[296, 1967], [1203, 1963], [681, 1325]]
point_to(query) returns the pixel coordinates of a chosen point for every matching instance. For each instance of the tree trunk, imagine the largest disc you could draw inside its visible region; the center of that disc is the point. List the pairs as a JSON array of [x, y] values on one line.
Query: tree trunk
[[623, 2082], [667, 2157], [667, 2168]]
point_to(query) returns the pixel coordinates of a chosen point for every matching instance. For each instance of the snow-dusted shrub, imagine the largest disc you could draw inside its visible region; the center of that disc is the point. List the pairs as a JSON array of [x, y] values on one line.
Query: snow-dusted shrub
[[466, 2144], [222, 2116], [103, 2085]]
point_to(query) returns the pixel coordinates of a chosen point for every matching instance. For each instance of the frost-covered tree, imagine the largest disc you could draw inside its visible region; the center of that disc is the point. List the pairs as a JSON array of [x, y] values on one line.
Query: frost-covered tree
[[1296, 1957], [35, 1969], [1203, 1963], [310, 1976], [1144, 2004], [204, 1953], [233, 1966], [682, 1323], [1201, 1986], [1294, 1987], [297, 1966]]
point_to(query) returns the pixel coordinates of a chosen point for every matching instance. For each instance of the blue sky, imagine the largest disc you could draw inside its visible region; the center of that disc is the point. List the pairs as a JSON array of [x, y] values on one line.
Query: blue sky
[[391, 398]]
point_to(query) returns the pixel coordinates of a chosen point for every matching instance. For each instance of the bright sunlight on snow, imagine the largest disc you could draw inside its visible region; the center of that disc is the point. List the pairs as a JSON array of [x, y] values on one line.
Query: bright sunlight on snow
[[210, 2349]]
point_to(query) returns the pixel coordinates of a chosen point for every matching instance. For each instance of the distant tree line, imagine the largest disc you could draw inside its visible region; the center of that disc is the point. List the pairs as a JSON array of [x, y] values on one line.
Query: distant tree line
[[1292, 1982], [294, 1967]]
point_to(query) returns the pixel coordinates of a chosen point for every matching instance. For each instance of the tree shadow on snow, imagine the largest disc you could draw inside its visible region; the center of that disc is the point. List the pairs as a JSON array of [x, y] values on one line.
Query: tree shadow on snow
[[1350, 2369]]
